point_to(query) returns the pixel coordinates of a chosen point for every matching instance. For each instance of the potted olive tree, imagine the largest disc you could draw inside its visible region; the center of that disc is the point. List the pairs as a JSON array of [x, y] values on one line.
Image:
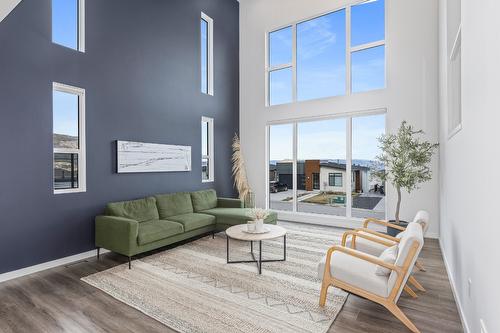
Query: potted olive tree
[[407, 163]]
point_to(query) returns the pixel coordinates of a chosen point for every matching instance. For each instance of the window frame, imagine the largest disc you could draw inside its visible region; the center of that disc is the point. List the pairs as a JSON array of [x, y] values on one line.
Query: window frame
[[210, 54], [80, 28], [455, 51], [348, 117], [81, 151], [333, 176], [349, 51], [210, 148]]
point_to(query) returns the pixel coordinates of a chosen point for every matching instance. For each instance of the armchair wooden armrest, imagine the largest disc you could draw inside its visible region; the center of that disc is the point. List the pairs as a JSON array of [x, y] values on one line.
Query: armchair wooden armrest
[[383, 223], [354, 234], [379, 234]]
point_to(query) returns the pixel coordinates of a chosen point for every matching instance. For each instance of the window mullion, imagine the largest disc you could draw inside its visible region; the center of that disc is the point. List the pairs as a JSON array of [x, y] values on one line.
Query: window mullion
[[294, 62], [348, 50], [348, 169]]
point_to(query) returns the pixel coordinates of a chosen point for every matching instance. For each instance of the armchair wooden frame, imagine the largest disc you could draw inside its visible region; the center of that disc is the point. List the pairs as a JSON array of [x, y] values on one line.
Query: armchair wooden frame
[[367, 221], [388, 302]]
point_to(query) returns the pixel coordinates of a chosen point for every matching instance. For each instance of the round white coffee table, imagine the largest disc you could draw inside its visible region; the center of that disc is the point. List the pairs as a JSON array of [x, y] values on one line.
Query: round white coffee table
[[236, 232]]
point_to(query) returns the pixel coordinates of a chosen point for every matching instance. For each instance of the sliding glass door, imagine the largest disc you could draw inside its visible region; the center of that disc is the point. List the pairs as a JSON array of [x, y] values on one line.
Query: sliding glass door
[[326, 167]]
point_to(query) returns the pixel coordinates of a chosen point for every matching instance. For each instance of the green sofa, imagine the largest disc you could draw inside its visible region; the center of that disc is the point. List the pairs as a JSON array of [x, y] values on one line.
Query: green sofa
[[133, 227]]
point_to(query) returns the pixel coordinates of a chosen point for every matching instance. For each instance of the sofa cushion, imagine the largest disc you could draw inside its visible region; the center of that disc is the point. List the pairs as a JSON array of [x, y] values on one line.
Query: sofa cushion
[[233, 216], [174, 204], [140, 210], [193, 221], [154, 230], [203, 200]]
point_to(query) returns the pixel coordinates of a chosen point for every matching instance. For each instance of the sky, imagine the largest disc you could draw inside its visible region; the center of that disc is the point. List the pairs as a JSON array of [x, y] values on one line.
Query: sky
[[204, 56], [65, 23], [65, 117], [321, 72], [321, 55], [326, 139]]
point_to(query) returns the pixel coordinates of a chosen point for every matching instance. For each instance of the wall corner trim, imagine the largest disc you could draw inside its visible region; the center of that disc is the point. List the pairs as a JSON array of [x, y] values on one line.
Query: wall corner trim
[[47, 265], [461, 311]]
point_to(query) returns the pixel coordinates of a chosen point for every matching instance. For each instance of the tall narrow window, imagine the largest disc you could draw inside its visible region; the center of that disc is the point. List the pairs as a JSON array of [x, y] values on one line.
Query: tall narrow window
[[207, 149], [68, 23], [207, 62], [454, 76], [68, 138]]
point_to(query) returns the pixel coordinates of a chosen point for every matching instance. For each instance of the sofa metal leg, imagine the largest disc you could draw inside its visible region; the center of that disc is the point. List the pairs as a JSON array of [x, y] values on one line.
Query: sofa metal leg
[[129, 262], [98, 252], [213, 235]]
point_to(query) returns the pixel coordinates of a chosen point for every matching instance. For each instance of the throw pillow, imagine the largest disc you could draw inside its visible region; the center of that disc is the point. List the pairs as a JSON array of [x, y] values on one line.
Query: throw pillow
[[389, 256]]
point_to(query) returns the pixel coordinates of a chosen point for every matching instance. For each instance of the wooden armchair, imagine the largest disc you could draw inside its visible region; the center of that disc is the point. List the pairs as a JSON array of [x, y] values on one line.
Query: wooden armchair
[[354, 272], [422, 218]]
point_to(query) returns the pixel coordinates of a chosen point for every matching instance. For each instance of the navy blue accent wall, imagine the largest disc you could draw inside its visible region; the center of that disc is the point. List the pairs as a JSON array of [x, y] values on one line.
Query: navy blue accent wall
[[141, 72]]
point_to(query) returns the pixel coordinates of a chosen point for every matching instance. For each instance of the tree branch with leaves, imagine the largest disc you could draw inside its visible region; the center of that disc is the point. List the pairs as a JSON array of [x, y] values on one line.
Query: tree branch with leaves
[[407, 160]]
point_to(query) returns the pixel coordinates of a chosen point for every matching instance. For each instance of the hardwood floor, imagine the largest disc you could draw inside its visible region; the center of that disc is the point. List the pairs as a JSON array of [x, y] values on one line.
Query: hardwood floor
[[57, 301]]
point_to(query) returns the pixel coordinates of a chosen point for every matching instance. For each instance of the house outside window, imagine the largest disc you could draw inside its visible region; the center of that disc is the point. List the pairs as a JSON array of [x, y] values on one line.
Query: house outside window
[[335, 179]]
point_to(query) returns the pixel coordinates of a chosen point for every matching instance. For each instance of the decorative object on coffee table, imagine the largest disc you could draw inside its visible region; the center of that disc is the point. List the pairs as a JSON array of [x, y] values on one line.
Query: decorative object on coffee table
[[259, 215], [406, 159], [238, 232]]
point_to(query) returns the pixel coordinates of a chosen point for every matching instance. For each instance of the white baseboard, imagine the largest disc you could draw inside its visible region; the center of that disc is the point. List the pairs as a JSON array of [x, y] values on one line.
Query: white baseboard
[[50, 264], [454, 290]]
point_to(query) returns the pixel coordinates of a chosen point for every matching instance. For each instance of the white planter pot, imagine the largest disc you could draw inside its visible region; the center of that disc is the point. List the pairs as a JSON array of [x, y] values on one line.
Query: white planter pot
[[259, 225]]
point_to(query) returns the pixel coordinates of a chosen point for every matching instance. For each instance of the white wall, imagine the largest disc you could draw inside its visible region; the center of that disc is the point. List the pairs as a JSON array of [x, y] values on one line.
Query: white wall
[[470, 182], [411, 94], [6, 6]]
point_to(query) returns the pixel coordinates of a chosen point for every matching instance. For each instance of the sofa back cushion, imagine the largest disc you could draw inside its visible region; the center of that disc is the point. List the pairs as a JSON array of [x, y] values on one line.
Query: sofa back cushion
[[174, 204], [203, 200], [140, 210]]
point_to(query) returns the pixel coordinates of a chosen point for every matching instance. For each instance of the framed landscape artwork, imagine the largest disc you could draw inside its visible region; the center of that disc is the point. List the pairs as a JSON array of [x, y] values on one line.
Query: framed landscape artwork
[[135, 157]]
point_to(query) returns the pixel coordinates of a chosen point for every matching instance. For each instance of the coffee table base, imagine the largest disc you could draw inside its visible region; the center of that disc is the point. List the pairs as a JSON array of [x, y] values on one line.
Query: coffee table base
[[258, 261]]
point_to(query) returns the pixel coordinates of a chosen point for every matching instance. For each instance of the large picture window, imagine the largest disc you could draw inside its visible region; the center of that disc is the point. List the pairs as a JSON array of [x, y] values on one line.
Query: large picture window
[[339, 53], [68, 23], [325, 166], [68, 138]]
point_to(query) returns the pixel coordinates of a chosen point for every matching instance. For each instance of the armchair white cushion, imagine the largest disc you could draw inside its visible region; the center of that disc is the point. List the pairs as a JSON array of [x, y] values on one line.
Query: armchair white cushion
[[356, 271], [389, 255]]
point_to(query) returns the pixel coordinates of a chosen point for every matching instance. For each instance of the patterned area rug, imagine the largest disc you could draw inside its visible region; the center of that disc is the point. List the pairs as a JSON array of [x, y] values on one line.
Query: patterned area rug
[[191, 288]]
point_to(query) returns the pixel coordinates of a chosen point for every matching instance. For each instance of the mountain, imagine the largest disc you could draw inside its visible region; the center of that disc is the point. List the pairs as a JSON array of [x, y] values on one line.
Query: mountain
[[65, 141]]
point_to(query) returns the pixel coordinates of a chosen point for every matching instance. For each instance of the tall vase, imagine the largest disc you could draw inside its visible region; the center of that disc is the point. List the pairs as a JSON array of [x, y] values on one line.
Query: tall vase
[[259, 225]]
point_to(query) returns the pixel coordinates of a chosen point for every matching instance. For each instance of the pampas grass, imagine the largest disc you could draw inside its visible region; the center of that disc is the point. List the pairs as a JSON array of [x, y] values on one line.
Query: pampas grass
[[239, 171], [258, 214]]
